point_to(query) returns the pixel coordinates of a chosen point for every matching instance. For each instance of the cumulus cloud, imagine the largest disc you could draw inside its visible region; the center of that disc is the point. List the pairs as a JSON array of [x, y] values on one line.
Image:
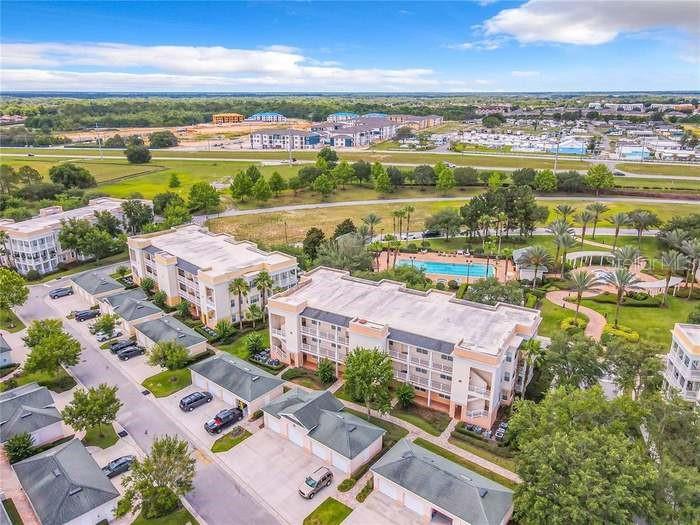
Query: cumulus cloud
[[591, 22]]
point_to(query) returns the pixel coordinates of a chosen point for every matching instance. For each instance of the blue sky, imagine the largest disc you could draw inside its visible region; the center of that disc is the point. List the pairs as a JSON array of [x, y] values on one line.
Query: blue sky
[[537, 45]]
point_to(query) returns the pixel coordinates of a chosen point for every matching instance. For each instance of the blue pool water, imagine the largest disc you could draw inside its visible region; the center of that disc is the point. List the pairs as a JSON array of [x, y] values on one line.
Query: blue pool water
[[475, 270]]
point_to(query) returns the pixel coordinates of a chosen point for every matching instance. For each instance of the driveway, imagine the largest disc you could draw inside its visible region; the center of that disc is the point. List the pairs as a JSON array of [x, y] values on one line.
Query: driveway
[[274, 467], [379, 509], [123, 447]]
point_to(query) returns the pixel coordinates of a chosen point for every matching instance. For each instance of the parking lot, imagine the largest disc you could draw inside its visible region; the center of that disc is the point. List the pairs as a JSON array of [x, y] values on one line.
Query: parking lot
[[275, 467]]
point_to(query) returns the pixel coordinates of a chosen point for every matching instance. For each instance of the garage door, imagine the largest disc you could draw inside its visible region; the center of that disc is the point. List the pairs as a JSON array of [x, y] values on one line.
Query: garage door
[[272, 423], [319, 450], [413, 502], [341, 462], [295, 436], [389, 490], [199, 381]]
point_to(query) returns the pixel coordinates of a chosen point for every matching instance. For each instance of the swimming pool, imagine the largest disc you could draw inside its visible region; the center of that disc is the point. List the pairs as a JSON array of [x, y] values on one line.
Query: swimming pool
[[461, 269]]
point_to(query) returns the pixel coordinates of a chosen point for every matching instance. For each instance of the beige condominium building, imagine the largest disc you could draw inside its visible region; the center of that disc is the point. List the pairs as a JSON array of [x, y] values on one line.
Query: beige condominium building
[[461, 357], [683, 362], [34, 245], [194, 264]]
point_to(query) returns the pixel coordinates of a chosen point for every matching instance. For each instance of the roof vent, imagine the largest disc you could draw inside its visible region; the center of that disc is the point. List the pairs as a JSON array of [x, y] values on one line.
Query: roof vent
[[25, 415], [351, 429], [56, 472], [255, 378], [465, 478], [75, 490], [482, 492], [181, 336]]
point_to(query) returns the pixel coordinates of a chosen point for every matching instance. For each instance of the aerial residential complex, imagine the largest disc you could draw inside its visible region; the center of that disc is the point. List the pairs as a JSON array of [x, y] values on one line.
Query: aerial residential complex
[[267, 116], [34, 245], [227, 118], [284, 139], [461, 357], [193, 264], [683, 362]]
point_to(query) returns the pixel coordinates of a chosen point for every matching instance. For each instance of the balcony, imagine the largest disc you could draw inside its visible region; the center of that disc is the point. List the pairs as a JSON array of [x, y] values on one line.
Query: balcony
[[484, 391], [423, 381], [399, 356], [277, 332], [420, 361], [686, 371], [442, 368], [308, 330], [441, 387], [477, 413]]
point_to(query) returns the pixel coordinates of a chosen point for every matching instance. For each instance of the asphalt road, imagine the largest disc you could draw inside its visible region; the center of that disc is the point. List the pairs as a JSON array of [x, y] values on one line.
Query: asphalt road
[[216, 497]]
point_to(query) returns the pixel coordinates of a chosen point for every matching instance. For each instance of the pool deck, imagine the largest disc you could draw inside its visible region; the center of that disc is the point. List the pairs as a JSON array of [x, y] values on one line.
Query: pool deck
[[500, 266]]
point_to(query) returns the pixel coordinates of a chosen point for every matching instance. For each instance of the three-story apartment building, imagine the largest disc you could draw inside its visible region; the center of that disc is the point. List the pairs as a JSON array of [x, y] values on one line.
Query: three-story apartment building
[[461, 357], [194, 264], [34, 244], [683, 362]]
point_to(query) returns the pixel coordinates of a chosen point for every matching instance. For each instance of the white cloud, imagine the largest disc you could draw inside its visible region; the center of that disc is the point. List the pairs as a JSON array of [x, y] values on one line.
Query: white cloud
[[591, 22], [486, 44], [524, 74]]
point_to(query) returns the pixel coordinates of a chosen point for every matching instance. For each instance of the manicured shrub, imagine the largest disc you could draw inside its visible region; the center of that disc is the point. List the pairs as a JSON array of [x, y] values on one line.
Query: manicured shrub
[[571, 325], [610, 332], [452, 284]]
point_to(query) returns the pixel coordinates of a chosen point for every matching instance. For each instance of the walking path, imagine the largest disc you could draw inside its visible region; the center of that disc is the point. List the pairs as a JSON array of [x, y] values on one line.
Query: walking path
[[596, 322]]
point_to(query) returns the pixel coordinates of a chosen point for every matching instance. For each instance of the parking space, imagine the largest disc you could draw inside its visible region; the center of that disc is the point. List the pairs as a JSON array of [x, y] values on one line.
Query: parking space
[[123, 447], [194, 421], [379, 509], [274, 468]]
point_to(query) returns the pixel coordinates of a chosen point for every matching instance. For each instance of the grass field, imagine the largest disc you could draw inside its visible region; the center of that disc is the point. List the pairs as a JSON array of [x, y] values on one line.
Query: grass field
[[168, 382], [552, 316], [230, 440], [330, 512], [665, 184], [646, 168], [178, 517]]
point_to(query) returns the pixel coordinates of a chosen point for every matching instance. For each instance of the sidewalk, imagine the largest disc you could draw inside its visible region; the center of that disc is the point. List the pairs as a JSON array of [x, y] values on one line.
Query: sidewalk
[[596, 322]]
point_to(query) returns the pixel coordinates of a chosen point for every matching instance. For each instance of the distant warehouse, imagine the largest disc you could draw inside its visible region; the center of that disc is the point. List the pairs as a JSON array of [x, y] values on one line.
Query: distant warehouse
[[227, 118], [268, 116]]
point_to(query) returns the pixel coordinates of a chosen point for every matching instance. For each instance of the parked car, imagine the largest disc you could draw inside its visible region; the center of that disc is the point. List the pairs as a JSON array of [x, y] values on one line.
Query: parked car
[[223, 419], [431, 233], [192, 401], [102, 336], [60, 292], [319, 478], [130, 352], [118, 466], [84, 315], [116, 346]]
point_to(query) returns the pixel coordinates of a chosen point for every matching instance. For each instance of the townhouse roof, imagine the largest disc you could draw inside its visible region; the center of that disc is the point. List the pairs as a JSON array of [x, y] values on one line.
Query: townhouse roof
[[64, 482], [326, 421], [433, 314], [96, 283], [691, 331], [4, 345], [117, 299], [198, 249], [168, 328], [447, 485], [237, 376], [26, 409], [420, 341], [133, 309]]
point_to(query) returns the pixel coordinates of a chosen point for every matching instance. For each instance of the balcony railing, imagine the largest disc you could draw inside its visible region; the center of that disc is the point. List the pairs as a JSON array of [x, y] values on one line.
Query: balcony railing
[[277, 332], [398, 355], [420, 361], [477, 413], [423, 381], [442, 367], [479, 390], [441, 387], [687, 371], [279, 350]]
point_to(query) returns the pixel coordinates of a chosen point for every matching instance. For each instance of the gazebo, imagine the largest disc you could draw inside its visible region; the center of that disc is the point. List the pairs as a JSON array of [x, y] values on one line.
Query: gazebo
[[657, 287], [587, 258]]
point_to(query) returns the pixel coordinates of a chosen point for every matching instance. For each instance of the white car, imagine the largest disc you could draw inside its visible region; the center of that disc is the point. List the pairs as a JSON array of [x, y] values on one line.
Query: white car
[[102, 337]]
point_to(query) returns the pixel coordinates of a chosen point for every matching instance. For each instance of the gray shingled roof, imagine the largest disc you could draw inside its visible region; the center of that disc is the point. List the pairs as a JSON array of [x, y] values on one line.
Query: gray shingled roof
[[132, 309], [324, 417], [25, 409], [64, 483], [170, 329], [4, 346], [4, 517], [187, 266], [447, 485], [242, 379], [96, 283], [118, 299], [327, 317], [421, 341]]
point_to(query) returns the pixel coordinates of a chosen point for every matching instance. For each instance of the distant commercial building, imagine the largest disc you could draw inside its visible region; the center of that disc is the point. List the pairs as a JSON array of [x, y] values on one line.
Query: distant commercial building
[[342, 116], [34, 244], [417, 122], [284, 139], [267, 116], [227, 118], [674, 107], [683, 362]]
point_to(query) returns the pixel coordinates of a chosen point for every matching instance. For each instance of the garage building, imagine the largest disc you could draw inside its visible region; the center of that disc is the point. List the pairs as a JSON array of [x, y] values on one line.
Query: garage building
[[318, 422], [30, 408], [5, 352], [168, 328], [236, 382], [92, 286], [133, 307], [439, 489]]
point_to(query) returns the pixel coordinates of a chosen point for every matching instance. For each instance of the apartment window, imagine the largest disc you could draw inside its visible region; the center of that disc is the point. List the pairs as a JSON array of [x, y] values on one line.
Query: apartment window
[[420, 389], [444, 396], [303, 321], [421, 370], [446, 377], [506, 376], [422, 351], [509, 357], [182, 287], [181, 273], [446, 357], [391, 343]]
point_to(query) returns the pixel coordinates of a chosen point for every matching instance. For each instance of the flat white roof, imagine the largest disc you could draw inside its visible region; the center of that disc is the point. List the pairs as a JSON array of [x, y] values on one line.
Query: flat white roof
[[692, 331], [433, 314], [53, 220], [220, 253]]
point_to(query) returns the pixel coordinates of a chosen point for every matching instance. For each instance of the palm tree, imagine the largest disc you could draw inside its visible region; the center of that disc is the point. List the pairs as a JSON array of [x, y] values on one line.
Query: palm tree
[[618, 220], [584, 217], [263, 282], [398, 214], [408, 209], [535, 256], [642, 220], [691, 249], [626, 256], [564, 210], [501, 220], [239, 286], [674, 238], [597, 208], [363, 231], [375, 248], [254, 314], [622, 280], [672, 261], [372, 220], [582, 282], [395, 246], [531, 350], [485, 222], [559, 228], [4, 250], [566, 242]]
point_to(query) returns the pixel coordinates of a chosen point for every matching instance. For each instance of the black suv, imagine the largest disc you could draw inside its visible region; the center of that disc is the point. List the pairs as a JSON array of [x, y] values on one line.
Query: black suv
[[118, 466], [60, 292], [192, 401], [223, 419], [84, 315], [117, 346], [129, 352]]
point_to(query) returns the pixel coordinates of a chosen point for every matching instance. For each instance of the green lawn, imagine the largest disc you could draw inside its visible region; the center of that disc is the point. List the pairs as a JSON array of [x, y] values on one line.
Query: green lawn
[[94, 439], [61, 382], [304, 377], [552, 316], [230, 440], [665, 184], [394, 432], [12, 513], [365, 491], [10, 322], [168, 382], [330, 512], [482, 452], [659, 169], [432, 421], [238, 346], [653, 324], [465, 463], [179, 517]]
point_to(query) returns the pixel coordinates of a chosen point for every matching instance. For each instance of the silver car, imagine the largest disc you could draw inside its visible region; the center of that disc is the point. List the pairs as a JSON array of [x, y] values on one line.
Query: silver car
[[319, 478]]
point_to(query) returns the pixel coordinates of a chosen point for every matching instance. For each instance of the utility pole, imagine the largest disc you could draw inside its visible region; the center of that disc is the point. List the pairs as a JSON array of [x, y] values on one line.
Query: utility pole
[[556, 155], [99, 143]]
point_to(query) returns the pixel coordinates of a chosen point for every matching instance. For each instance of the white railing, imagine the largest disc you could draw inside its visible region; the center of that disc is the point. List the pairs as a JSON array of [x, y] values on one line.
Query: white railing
[[690, 373], [277, 332], [279, 349], [420, 380], [443, 368], [477, 413], [479, 390], [306, 348], [398, 355], [309, 331], [419, 361], [440, 387]]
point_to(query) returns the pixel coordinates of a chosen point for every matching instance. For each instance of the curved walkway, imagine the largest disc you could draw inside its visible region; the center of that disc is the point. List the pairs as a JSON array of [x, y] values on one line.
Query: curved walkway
[[596, 322]]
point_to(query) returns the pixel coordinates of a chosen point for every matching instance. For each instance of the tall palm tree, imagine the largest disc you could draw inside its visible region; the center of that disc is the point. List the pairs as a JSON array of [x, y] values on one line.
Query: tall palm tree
[[375, 248], [582, 282], [485, 222], [408, 210], [501, 221], [263, 282], [584, 217], [239, 286], [691, 249], [618, 220], [372, 220], [559, 228], [565, 242], [4, 250], [674, 238], [535, 256], [622, 280], [642, 220], [626, 256], [530, 350], [597, 209], [672, 261], [395, 246], [398, 216], [363, 231], [564, 210]]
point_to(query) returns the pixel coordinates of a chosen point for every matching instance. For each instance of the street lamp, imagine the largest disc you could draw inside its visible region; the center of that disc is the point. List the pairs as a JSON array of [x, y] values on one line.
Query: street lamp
[[469, 267]]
